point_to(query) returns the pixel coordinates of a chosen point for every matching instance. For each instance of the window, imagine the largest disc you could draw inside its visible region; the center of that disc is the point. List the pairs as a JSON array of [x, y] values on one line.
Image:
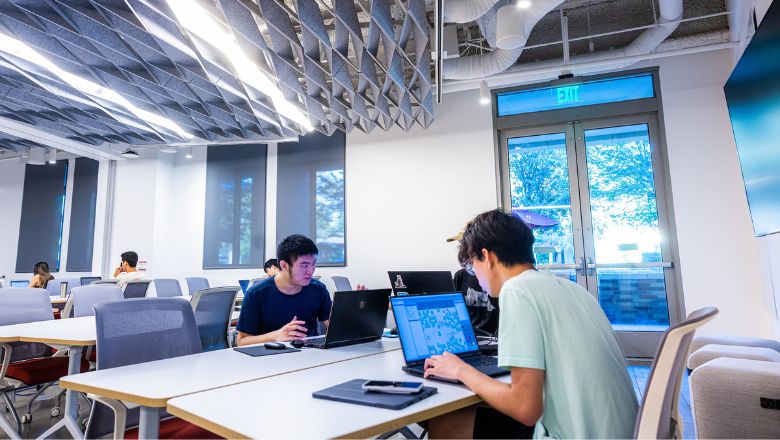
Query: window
[[235, 206], [82, 215], [591, 92], [43, 207], [311, 194]]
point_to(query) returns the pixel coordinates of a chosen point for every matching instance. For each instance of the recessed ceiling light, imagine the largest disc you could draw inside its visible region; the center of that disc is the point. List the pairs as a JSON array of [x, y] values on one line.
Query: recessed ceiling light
[[130, 154], [524, 4], [168, 150], [198, 21], [17, 48]]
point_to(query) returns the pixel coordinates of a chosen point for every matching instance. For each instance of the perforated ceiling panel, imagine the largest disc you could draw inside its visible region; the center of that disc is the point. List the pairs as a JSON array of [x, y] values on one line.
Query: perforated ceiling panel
[[143, 77]]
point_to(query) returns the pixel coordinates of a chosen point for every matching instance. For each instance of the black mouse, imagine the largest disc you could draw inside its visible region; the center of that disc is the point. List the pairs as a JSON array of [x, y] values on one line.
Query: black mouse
[[394, 331], [274, 346], [297, 343]]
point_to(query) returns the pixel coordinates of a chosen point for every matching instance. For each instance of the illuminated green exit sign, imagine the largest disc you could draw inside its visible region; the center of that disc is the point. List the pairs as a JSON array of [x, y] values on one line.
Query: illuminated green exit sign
[[567, 94]]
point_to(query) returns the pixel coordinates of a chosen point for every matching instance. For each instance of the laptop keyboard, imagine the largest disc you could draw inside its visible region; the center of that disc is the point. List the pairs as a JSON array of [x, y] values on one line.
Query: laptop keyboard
[[315, 341], [477, 361]]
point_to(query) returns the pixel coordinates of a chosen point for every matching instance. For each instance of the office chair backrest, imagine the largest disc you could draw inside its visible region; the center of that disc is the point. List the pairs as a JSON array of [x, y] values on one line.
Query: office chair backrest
[[213, 309], [136, 289], [167, 287], [85, 297], [196, 283], [135, 331], [658, 415], [342, 283], [53, 286], [99, 282], [21, 305]]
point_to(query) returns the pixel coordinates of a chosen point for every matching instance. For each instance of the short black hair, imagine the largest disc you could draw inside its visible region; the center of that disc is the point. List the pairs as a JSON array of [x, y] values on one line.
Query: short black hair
[[503, 234], [271, 263], [294, 246], [131, 257]]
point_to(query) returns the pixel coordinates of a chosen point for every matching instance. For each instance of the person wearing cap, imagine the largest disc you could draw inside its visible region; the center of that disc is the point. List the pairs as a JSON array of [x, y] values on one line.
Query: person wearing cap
[[568, 373]]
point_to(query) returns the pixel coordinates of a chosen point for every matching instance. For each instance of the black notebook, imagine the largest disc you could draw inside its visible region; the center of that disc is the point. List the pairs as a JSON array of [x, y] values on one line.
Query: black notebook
[[259, 350], [352, 392]]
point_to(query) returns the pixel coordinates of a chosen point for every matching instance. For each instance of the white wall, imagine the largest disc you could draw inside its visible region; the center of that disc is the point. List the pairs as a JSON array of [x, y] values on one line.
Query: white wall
[[718, 253], [11, 190]]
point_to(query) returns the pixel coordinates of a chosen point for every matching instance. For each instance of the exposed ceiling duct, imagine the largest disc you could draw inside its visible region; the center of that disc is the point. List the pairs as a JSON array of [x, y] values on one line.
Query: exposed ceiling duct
[[464, 11], [489, 64]]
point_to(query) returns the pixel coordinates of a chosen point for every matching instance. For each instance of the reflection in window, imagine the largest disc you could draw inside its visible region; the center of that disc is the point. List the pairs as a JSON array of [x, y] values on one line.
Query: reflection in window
[[330, 215], [235, 206]]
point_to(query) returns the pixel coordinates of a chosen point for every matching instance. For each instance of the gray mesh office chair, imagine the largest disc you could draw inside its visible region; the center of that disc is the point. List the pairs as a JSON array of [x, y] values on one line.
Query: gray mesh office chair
[[167, 287], [85, 298], [342, 283], [28, 363], [659, 415], [124, 329], [53, 286], [196, 283], [213, 309], [136, 289]]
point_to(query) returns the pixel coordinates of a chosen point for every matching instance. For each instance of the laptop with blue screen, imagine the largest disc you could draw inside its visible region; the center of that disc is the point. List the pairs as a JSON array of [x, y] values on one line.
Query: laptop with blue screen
[[432, 324]]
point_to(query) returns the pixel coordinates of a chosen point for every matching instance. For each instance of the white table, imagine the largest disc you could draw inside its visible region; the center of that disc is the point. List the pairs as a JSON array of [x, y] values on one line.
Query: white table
[[152, 384], [75, 333], [56, 300], [283, 406]]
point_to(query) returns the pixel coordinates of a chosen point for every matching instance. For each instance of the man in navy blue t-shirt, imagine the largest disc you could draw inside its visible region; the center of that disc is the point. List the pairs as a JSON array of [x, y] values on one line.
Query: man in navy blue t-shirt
[[288, 305]]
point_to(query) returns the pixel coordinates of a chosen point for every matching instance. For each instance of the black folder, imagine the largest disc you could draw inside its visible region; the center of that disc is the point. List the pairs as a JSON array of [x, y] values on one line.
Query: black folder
[[352, 392]]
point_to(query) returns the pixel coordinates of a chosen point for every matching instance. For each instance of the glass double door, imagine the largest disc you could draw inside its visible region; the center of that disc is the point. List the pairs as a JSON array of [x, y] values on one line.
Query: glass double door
[[593, 194]]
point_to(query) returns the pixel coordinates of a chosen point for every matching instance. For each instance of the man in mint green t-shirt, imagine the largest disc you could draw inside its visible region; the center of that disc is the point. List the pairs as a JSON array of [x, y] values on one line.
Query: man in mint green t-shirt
[[568, 372]]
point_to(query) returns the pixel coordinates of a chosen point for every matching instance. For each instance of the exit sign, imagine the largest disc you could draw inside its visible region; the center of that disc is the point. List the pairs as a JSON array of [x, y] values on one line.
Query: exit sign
[[567, 94]]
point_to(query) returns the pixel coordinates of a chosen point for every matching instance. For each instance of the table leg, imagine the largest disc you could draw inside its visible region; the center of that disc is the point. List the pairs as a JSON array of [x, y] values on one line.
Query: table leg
[[149, 423], [70, 420], [5, 425]]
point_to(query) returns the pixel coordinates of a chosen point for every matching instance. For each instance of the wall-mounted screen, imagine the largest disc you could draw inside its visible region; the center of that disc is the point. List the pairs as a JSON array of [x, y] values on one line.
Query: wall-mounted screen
[[753, 95]]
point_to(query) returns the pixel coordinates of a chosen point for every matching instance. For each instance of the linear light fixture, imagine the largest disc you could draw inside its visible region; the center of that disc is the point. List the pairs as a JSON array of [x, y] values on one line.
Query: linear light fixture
[[17, 48], [198, 21]]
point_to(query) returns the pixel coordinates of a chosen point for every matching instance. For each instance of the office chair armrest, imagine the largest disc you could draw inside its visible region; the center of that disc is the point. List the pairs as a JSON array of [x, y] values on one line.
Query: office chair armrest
[[120, 414], [736, 398], [715, 351]]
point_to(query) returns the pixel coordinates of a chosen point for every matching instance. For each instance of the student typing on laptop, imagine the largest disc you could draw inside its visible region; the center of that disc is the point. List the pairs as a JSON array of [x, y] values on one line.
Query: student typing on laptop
[[288, 305], [568, 372]]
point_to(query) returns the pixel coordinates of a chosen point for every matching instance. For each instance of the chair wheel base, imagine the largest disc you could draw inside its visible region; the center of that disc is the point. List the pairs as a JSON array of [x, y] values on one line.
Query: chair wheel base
[[27, 419], [55, 411]]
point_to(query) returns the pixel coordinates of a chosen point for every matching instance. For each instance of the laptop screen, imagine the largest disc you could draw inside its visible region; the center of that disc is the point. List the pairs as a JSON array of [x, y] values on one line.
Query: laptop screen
[[18, 283], [433, 324]]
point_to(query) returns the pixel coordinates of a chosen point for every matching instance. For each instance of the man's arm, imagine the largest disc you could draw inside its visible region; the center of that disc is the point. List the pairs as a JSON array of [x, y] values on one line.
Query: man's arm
[[522, 399], [292, 330], [117, 271]]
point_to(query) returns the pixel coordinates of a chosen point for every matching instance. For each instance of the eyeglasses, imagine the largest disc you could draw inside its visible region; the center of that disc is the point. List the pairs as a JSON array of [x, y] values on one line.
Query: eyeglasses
[[469, 268]]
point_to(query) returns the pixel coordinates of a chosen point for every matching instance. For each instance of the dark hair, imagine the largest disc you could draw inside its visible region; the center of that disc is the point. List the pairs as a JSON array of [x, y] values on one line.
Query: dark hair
[[41, 268], [503, 234], [131, 257], [271, 263], [294, 246]]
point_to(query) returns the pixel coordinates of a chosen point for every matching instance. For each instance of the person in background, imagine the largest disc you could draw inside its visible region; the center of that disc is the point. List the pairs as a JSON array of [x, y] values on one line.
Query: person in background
[[568, 374], [126, 271], [41, 275], [486, 306], [288, 305], [271, 267]]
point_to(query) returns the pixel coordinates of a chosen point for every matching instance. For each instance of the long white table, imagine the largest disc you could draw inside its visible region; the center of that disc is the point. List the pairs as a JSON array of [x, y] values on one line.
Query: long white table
[[283, 406], [74, 333], [151, 385]]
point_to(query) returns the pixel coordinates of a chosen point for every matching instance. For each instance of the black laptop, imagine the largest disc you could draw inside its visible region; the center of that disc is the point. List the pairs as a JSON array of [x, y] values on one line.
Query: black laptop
[[432, 324], [411, 282], [356, 317]]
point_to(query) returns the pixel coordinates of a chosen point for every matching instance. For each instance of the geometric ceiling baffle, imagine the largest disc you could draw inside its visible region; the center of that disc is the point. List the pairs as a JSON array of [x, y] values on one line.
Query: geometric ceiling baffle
[[101, 73]]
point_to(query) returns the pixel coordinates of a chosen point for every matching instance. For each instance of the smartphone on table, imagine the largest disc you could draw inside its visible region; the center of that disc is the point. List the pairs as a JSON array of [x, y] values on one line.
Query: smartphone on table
[[386, 386]]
